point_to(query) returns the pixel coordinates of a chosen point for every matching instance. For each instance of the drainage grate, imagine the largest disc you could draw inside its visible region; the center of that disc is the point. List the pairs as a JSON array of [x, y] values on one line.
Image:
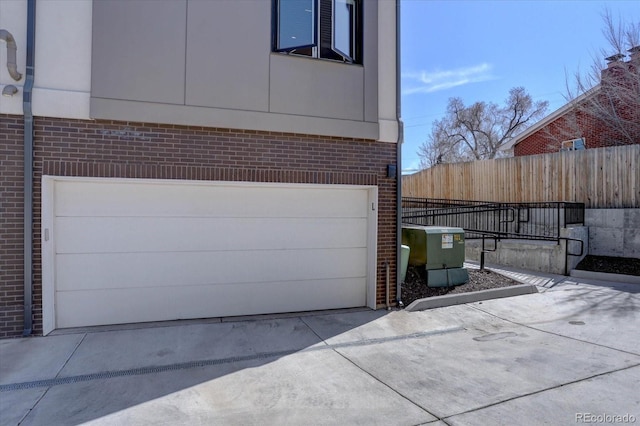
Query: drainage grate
[[212, 362], [139, 371]]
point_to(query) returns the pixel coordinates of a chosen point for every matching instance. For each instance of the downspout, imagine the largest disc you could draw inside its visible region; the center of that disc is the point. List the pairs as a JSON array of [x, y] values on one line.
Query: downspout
[[398, 162], [12, 67], [28, 169]]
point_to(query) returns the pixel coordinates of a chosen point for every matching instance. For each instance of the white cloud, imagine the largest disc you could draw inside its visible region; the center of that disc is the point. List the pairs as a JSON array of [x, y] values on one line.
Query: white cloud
[[428, 82], [412, 166]]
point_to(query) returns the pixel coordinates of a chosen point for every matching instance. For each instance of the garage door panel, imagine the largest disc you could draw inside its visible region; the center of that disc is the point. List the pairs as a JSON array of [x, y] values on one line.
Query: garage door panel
[[123, 250], [86, 308], [166, 199], [119, 270], [137, 234]]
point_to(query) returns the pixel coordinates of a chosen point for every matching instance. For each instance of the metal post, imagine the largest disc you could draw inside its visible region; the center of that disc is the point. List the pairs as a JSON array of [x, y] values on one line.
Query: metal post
[[558, 226], [28, 169]]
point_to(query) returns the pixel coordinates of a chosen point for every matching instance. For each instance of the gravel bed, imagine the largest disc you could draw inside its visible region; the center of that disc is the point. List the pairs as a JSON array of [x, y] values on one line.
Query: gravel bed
[[611, 265], [415, 285]]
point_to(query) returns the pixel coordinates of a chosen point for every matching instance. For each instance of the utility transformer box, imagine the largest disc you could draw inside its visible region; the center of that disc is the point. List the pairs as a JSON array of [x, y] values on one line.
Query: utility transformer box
[[440, 250]]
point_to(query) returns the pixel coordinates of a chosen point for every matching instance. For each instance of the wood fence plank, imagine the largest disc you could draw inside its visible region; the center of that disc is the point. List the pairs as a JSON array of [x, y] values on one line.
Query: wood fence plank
[[600, 178]]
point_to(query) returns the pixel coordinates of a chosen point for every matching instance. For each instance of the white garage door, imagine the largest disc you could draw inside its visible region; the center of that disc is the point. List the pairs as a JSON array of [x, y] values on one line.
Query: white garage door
[[122, 251]]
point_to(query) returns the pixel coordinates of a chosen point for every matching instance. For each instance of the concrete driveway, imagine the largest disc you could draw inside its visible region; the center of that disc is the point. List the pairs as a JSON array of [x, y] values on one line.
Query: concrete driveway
[[568, 354]]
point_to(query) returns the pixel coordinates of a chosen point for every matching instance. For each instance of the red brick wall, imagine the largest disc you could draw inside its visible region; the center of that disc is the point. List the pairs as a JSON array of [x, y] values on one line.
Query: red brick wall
[[142, 150], [618, 93], [548, 139]]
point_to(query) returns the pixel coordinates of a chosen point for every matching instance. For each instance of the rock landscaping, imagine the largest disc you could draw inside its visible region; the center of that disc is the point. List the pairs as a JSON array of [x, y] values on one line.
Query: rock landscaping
[[415, 285]]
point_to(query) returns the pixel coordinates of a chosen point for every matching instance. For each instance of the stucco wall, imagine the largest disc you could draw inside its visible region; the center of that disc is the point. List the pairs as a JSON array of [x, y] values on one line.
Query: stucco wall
[[202, 73], [63, 57]]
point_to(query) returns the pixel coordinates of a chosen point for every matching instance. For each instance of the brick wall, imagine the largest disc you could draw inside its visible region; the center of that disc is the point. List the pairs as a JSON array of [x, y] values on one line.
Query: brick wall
[[596, 133], [142, 150], [11, 225], [608, 117]]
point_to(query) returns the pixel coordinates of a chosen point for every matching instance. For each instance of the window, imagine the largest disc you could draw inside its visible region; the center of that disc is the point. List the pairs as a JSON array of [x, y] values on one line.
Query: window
[[573, 145], [328, 29]]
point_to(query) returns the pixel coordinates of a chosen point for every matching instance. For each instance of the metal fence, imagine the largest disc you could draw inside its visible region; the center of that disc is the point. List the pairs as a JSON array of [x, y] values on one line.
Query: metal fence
[[535, 221]]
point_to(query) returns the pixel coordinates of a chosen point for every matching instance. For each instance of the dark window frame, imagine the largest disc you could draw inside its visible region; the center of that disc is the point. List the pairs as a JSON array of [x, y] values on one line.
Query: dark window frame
[[318, 49], [276, 28], [352, 29]]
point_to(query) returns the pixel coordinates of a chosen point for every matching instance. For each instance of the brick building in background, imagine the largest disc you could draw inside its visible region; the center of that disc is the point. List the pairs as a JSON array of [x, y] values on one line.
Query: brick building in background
[[195, 159], [606, 115]]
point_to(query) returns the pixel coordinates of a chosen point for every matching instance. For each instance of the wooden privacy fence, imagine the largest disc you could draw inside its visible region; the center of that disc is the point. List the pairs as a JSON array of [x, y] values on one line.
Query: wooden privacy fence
[[600, 178]]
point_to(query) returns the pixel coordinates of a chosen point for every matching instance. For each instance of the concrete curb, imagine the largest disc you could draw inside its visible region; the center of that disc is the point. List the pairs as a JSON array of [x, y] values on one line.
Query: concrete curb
[[604, 276], [539, 279], [471, 297]]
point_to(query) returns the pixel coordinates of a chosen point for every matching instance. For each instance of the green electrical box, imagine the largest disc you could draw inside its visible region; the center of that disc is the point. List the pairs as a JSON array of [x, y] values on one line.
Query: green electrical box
[[440, 250]]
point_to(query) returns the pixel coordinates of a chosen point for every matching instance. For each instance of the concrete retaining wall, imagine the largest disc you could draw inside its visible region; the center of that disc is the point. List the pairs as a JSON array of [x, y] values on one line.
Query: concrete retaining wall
[[542, 256], [607, 232], [614, 232]]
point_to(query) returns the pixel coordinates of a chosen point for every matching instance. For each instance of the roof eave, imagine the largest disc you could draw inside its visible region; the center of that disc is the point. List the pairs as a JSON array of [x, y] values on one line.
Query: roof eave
[[552, 117]]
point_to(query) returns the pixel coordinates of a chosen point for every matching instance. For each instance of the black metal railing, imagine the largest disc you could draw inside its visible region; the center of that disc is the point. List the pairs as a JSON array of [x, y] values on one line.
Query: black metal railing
[[570, 244], [537, 221]]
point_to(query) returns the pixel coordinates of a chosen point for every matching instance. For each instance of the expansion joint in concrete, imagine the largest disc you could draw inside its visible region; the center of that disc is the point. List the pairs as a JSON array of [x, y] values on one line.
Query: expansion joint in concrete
[[336, 348], [552, 333], [573, 382]]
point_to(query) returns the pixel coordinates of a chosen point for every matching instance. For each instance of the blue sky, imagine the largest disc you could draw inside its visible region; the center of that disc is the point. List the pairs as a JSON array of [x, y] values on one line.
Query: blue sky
[[478, 50]]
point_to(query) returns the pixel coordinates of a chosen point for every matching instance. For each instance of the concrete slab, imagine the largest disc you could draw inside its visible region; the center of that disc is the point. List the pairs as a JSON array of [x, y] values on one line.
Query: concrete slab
[[316, 387], [455, 373], [601, 315], [131, 326], [603, 276], [128, 349], [35, 358], [614, 394], [570, 349], [14, 406], [586, 283], [474, 296], [344, 329]]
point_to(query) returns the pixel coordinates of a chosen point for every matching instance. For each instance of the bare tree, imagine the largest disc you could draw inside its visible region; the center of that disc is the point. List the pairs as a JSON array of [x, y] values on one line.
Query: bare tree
[[605, 100], [478, 131]]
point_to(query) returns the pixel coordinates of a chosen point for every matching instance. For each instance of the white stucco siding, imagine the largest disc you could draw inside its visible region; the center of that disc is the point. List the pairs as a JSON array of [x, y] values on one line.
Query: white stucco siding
[[63, 57], [13, 15], [387, 71], [63, 60]]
